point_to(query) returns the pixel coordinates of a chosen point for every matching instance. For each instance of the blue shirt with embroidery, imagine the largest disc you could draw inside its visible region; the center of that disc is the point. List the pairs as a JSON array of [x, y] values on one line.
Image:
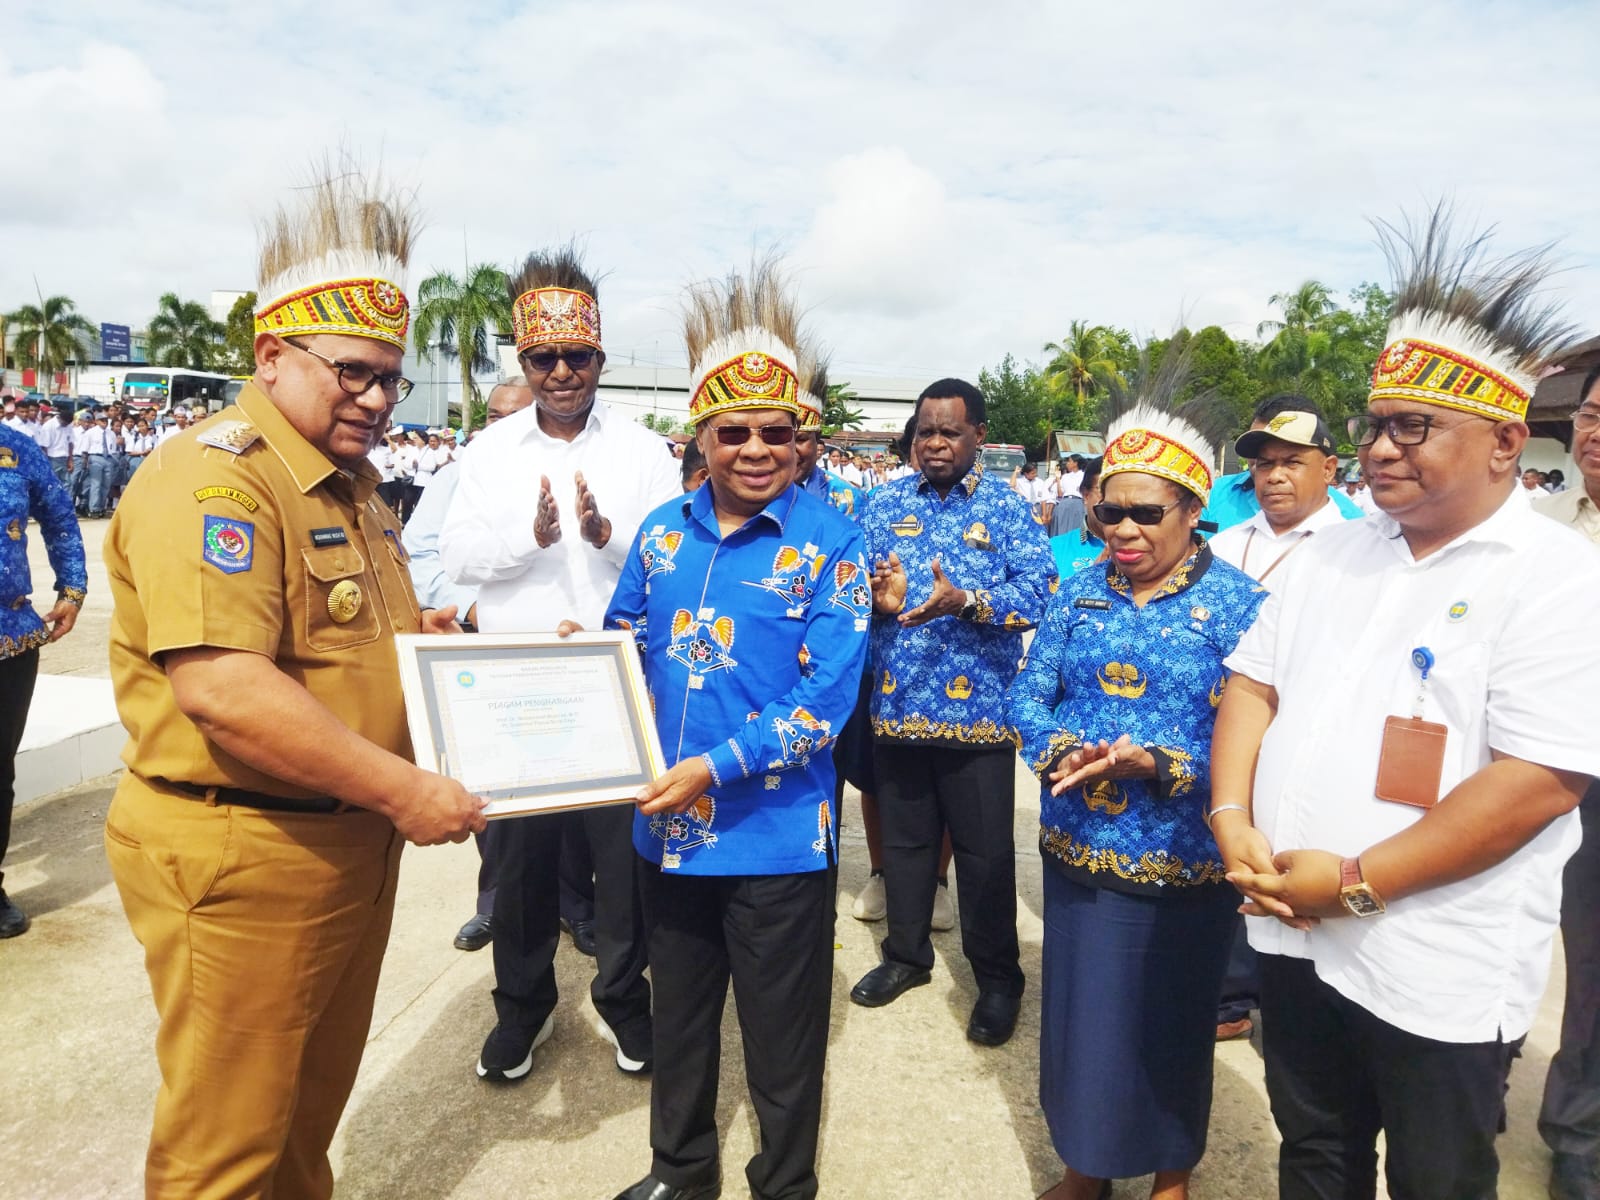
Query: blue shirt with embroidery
[[1101, 667], [752, 647], [837, 491], [29, 488], [1074, 551], [944, 683]]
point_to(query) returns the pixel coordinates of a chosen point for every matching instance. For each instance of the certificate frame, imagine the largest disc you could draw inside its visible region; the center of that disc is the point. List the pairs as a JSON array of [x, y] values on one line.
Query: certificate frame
[[435, 667]]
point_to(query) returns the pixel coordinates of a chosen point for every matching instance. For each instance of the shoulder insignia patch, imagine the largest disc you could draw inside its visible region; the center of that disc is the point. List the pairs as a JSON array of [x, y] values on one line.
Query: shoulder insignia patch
[[243, 499], [228, 545], [233, 436]]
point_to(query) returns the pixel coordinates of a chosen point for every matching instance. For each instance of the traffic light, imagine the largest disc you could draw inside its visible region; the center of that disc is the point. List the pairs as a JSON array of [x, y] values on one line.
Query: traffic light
[[113, 387]]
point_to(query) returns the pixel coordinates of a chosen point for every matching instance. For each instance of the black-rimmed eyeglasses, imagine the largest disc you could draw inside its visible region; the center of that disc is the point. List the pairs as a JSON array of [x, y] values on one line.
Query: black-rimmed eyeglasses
[[1403, 429], [357, 378]]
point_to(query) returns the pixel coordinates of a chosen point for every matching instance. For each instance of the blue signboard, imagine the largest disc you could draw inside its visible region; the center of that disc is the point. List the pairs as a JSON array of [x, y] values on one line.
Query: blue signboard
[[115, 343]]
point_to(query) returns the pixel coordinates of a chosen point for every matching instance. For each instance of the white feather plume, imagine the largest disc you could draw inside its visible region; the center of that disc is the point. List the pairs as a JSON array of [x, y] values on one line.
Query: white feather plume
[[1145, 415]]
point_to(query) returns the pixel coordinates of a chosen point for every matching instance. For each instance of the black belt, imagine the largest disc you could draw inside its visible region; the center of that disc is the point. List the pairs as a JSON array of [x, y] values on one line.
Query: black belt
[[261, 800]]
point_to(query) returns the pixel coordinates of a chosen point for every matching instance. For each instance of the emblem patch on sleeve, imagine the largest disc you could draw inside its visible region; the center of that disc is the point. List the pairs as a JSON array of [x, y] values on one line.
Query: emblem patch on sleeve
[[228, 545]]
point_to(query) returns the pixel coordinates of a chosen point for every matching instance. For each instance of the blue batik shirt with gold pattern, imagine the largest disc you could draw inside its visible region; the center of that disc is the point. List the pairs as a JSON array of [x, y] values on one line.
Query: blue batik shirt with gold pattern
[[29, 488], [837, 491], [944, 683], [752, 646], [1101, 667]]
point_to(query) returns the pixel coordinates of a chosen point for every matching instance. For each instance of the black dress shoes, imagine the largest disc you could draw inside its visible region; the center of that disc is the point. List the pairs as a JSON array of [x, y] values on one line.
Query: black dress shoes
[[12, 919], [994, 1019], [651, 1188], [582, 935], [475, 934], [887, 982]]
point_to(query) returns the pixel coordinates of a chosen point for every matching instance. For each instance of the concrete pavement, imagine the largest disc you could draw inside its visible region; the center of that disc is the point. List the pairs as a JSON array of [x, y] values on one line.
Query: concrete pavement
[[911, 1107]]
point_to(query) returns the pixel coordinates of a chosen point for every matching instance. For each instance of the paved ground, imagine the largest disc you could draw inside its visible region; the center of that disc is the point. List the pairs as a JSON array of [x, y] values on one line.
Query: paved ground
[[911, 1106]]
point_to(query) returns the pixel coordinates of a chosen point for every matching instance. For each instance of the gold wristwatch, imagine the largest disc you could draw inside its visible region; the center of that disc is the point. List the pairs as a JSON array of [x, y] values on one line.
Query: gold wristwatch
[[1355, 893]]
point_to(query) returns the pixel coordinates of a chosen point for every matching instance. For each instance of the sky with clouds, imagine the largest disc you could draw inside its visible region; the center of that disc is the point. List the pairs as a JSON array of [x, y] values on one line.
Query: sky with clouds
[[948, 181]]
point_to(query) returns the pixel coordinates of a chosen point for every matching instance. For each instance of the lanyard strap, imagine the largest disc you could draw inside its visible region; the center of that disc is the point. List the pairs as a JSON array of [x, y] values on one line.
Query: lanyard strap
[[1244, 561]]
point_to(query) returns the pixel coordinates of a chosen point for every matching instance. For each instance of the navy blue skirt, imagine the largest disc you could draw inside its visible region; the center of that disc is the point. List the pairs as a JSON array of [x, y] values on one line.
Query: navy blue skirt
[[1129, 1023]]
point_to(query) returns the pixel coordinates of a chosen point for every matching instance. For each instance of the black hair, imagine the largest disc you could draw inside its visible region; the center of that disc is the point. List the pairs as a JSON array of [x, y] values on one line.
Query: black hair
[[1284, 402], [694, 459], [903, 445], [1589, 380], [945, 389], [1557, 476], [1091, 471], [1079, 459], [558, 266]]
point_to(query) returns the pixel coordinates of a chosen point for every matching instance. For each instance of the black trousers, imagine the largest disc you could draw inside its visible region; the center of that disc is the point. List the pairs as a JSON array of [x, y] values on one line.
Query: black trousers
[[922, 791], [526, 917], [576, 870], [1569, 1119], [1336, 1075], [1241, 986], [17, 676], [772, 935]]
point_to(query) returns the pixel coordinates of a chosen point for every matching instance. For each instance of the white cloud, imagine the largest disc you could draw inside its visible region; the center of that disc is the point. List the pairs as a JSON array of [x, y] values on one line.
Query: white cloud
[[950, 185]]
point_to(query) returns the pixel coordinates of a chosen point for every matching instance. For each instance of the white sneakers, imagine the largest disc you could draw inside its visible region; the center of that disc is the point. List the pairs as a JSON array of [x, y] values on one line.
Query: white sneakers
[[871, 904]]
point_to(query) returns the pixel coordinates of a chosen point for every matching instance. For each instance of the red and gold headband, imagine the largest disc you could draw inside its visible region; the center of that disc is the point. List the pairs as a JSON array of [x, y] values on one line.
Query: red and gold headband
[[1427, 373], [1152, 452], [373, 308], [750, 380], [555, 314]]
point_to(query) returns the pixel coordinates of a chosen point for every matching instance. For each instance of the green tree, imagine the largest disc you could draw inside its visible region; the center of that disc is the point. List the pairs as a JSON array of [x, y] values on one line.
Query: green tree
[[1019, 403], [1081, 368], [67, 336], [662, 423], [239, 337], [183, 334], [458, 317], [1302, 308], [836, 411]]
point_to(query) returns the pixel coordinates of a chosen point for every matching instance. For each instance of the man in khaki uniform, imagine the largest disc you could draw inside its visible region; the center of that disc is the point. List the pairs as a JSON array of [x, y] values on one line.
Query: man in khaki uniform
[[255, 838]]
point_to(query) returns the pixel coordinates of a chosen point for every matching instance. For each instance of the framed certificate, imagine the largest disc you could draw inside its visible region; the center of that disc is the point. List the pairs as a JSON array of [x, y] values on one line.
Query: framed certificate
[[533, 722]]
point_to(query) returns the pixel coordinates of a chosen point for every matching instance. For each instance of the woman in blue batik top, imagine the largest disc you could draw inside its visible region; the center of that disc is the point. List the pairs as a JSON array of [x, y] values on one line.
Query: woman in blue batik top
[[1115, 708], [28, 488]]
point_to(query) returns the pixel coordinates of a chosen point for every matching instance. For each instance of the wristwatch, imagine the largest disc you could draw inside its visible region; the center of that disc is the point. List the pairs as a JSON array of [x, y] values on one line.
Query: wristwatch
[[1355, 893], [969, 610]]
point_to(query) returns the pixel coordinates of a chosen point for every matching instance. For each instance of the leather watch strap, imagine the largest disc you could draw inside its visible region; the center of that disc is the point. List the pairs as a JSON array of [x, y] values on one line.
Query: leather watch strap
[[1349, 873]]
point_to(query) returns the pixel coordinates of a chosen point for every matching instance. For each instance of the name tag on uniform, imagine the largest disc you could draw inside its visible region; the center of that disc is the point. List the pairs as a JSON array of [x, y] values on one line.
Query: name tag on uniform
[[333, 536], [1091, 602]]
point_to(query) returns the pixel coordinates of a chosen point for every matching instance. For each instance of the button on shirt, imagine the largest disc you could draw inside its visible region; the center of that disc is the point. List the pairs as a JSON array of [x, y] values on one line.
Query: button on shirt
[[1100, 667], [28, 488], [243, 551], [1260, 552], [1507, 610], [752, 646], [944, 683], [487, 541]]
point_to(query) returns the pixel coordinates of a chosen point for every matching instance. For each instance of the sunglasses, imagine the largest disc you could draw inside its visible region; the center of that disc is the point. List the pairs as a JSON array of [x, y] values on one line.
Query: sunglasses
[[1142, 514], [738, 435], [545, 360]]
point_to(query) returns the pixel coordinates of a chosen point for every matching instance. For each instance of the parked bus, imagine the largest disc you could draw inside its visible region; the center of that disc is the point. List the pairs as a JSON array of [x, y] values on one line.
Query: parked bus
[[163, 388]]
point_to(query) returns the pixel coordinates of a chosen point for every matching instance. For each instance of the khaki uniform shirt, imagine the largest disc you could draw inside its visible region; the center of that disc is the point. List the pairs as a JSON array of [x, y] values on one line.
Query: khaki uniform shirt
[[254, 542], [1572, 507]]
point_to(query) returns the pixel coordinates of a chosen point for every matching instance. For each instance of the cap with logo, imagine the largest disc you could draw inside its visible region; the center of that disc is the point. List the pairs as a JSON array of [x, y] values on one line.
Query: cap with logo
[[1295, 428]]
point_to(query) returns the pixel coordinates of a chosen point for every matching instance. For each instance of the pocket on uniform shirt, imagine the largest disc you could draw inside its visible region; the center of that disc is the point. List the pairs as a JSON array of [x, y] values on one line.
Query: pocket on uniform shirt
[[336, 581]]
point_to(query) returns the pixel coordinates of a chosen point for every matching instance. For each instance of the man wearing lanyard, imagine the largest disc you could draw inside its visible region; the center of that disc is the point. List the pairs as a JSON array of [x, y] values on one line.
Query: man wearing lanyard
[[1569, 1120], [1411, 850]]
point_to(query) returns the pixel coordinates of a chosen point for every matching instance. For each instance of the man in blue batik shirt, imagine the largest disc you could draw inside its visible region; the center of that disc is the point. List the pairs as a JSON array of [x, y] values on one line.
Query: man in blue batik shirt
[[749, 601], [961, 568], [28, 488]]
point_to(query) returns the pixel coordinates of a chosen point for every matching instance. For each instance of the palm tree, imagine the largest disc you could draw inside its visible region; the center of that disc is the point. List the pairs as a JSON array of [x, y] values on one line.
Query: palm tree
[[1082, 364], [1302, 308], [65, 334], [459, 318], [836, 411], [183, 334]]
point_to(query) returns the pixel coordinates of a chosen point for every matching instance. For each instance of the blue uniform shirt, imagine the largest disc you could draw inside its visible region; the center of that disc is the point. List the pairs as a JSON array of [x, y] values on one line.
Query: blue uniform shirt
[[29, 488], [752, 647], [837, 491], [1074, 551], [944, 683], [1100, 667]]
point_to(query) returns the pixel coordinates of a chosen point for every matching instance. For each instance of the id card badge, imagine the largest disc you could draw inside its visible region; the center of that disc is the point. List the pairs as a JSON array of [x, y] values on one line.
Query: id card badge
[[1411, 758], [1411, 761]]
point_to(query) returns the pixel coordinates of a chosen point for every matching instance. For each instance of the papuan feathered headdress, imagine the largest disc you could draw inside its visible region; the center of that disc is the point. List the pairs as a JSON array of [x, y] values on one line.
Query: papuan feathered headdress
[[1151, 427], [742, 334], [554, 299]]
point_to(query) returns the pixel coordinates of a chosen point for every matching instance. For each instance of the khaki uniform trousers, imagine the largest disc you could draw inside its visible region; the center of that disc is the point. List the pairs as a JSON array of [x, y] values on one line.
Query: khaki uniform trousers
[[263, 934]]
